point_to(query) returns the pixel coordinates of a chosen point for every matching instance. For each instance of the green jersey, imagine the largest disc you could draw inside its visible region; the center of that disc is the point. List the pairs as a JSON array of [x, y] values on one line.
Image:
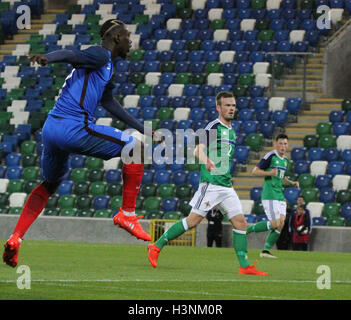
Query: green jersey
[[220, 149], [273, 186]]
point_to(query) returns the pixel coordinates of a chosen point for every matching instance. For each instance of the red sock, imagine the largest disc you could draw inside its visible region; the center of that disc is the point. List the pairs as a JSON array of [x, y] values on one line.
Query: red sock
[[132, 176], [35, 203]]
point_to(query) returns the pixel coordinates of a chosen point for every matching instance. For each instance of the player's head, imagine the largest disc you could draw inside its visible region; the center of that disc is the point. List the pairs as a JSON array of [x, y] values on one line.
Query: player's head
[[225, 105], [115, 36], [281, 143]]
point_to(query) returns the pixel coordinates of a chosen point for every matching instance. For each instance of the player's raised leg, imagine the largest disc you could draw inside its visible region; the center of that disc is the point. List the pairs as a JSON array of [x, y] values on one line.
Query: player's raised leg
[[132, 174]]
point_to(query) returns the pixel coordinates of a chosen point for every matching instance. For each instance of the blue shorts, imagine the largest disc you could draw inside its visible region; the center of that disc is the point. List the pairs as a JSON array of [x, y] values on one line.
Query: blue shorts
[[62, 136]]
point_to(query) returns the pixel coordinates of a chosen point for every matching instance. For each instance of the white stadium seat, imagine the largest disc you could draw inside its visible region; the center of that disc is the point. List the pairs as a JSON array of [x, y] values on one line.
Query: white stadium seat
[[131, 101], [341, 182], [221, 35], [173, 24], [260, 67], [181, 114], [153, 78], [276, 103], [215, 79], [247, 24], [247, 206], [343, 142], [315, 208], [226, 56], [273, 4], [297, 35], [3, 185], [318, 168], [175, 90], [164, 44], [104, 121], [17, 199], [215, 13], [111, 164], [263, 79]]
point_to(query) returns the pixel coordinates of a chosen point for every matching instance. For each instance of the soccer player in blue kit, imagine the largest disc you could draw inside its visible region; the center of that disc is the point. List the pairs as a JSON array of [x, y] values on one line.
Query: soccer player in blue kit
[[70, 128]]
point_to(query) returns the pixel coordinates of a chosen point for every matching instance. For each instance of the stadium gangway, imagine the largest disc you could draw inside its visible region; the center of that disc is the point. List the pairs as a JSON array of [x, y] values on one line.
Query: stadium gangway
[[304, 55]]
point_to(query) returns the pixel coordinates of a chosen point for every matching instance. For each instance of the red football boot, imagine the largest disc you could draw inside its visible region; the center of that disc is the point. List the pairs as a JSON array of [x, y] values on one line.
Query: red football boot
[[10, 255], [153, 254], [252, 270], [131, 224]]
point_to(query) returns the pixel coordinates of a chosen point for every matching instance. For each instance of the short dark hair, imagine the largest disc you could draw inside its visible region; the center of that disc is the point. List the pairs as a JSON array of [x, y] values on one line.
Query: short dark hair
[[223, 94], [109, 25], [281, 136]]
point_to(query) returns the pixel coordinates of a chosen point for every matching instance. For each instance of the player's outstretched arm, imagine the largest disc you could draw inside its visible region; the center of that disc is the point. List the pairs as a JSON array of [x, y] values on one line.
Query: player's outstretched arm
[[263, 173], [114, 107], [92, 58]]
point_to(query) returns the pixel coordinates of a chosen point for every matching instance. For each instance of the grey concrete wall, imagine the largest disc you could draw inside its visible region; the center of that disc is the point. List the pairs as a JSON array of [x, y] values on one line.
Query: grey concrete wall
[[330, 239], [336, 71]]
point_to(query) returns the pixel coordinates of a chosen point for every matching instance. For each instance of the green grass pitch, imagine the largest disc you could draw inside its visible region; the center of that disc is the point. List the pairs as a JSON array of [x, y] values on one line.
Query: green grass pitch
[[75, 270]]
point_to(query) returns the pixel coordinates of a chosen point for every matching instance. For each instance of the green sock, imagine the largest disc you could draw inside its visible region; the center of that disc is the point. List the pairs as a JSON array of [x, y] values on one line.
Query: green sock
[[259, 227], [271, 239], [173, 232], [240, 246]]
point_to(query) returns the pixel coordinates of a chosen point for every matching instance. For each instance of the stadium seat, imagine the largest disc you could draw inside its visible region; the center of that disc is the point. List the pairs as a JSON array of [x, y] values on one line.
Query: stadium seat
[[67, 201], [335, 168], [64, 188], [291, 194], [343, 196], [318, 168], [101, 202], [315, 209], [327, 195]]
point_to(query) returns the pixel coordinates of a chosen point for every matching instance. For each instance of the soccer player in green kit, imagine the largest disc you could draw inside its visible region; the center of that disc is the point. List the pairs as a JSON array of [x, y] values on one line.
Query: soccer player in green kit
[[273, 167], [215, 186]]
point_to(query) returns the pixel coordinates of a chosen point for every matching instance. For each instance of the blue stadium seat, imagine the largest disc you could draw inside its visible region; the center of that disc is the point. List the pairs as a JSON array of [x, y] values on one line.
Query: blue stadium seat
[[77, 161], [319, 221], [245, 67], [302, 166], [13, 159], [316, 154], [312, 36], [199, 124], [121, 77], [263, 115], [240, 139], [346, 155], [239, 45], [277, 24], [236, 125], [346, 211], [341, 128], [229, 13], [335, 167], [242, 56], [243, 102], [113, 175], [194, 179], [291, 194], [197, 114], [178, 102], [101, 202], [160, 34], [323, 181], [178, 45], [233, 24], [198, 67], [187, 24], [65, 187], [190, 34], [182, 66], [196, 56], [244, 13], [160, 89], [7, 147], [230, 78], [14, 172], [134, 112], [208, 45], [281, 35], [184, 124], [146, 101], [256, 91], [207, 90], [267, 129], [205, 35], [152, 66], [308, 24], [169, 204], [331, 154], [274, 14], [241, 153], [280, 117], [269, 46], [298, 153], [163, 176], [200, 13], [327, 195], [180, 55], [246, 114], [194, 102], [293, 105], [148, 176], [336, 116], [250, 35], [255, 194], [168, 124], [301, 46], [250, 127], [260, 103], [191, 90], [149, 113], [235, 35], [293, 24], [257, 56], [304, 14], [202, 24]]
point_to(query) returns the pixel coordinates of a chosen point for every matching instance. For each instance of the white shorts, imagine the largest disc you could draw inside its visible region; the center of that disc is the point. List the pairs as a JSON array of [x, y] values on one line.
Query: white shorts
[[274, 209], [208, 195]]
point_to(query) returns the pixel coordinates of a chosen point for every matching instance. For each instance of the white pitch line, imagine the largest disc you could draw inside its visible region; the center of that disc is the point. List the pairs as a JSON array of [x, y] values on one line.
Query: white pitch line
[[176, 280]]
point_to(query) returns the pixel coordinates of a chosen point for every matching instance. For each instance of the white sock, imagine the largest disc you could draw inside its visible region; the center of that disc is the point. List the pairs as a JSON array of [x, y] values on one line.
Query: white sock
[[129, 214]]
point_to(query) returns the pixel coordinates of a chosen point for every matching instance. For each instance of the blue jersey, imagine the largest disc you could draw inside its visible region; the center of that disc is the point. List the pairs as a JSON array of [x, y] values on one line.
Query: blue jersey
[[85, 85]]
